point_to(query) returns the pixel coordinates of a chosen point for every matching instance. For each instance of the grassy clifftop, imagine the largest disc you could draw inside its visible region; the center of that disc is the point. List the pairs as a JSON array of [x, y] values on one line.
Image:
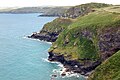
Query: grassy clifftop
[[86, 41], [80, 40], [51, 30], [90, 40], [108, 70], [83, 9], [57, 25]]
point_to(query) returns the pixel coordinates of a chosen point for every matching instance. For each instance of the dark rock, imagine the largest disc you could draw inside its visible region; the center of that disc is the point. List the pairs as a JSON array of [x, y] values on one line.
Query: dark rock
[[63, 74], [54, 75], [109, 42], [45, 36], [67, 70], [73, 65]]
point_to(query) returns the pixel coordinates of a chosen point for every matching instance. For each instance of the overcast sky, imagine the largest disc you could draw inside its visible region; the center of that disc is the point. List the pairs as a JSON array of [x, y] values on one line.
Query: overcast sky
[[24, 3]]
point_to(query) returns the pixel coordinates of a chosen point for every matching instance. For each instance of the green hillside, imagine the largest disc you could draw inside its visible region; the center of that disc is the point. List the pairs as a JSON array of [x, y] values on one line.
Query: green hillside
[[83, 9], [57, 25], [80, 40], [86, 41], [108, 70]]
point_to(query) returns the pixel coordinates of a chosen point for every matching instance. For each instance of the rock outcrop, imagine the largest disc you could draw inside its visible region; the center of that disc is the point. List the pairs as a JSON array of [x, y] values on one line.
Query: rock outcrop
[[83, 9], [109, 42], [82, 44], [74, 65], [46, 36], [88, 42], [51, 30]]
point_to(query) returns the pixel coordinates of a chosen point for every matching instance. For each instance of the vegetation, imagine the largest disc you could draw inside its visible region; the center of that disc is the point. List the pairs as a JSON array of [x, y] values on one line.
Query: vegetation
[[80, 39], [56, 25], [47, 11], [108, 70], [83, 9]]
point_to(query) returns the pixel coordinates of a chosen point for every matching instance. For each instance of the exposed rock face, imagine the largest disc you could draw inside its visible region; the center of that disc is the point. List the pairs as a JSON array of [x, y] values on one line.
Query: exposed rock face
[[46, 36], [73, 65], [109, 42], [51, 30], [77, 11], [83, 9]]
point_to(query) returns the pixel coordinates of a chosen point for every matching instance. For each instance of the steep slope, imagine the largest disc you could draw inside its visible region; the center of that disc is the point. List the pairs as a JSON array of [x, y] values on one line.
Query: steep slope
[[108, 70], [48, 33], [51, 30], [88, 41], [83, 9], [82, 44]]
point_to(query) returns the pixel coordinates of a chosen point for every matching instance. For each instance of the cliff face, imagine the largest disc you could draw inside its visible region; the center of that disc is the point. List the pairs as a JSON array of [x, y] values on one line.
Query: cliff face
[[89, 41], [82, 44], [83, 9], [51, 30], [109, 42]]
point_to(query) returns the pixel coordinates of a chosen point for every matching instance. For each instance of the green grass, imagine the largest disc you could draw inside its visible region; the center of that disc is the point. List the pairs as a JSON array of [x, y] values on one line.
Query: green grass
[[78, 46], [56, 25], [98, 19], [75, 46], [108, 70], [83, 9], [115, 9]]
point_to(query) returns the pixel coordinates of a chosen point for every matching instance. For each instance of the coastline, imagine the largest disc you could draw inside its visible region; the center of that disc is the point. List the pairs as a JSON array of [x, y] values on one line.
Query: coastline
[[62, 70], [26, 37], [85, 44]]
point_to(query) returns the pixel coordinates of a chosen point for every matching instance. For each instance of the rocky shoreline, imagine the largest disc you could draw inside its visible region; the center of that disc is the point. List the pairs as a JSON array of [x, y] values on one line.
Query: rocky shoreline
[[49, 37], [69, 65], [83, 43], [73, 65]]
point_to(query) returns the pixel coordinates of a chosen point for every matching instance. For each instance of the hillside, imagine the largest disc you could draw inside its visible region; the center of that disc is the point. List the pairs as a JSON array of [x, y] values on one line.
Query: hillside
[[47, 11], [51, 30], [83, 9], [89, 40], [55, 11], [83, 43], [108, 70]]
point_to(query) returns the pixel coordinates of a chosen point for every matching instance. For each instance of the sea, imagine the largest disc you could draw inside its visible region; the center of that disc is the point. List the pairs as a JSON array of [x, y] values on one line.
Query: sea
[[26, 59]]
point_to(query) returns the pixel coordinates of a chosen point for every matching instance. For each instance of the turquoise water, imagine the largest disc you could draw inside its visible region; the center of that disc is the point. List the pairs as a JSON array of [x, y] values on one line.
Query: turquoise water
[[21, 58]]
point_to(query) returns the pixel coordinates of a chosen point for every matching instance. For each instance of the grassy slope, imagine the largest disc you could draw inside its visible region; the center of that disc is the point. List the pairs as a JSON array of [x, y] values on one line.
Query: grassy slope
[[83, 9], [108, 70], [79, 47], [57, 25]]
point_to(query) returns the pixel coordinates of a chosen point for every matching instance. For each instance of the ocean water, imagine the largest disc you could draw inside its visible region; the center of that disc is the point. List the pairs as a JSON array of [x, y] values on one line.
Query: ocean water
[[22, 58]]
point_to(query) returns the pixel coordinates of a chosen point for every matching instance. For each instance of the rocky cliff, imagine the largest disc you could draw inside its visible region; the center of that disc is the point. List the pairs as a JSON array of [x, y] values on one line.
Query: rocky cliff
[[83, 9], [82, 44], [51, 30], [89, 41]]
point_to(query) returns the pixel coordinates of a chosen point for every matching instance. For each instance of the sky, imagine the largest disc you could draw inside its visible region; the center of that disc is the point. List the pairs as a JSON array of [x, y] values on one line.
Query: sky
[[27, 3]]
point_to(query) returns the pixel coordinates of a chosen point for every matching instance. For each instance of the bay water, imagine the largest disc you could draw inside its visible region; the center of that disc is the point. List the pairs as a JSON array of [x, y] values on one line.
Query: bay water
[[22, 58]]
